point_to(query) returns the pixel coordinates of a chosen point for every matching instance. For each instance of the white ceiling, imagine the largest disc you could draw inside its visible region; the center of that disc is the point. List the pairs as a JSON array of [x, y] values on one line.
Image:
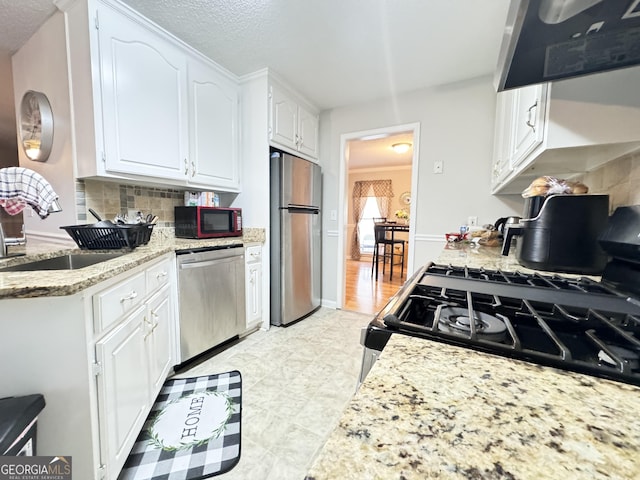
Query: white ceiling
[[334, 52], [378, 152]]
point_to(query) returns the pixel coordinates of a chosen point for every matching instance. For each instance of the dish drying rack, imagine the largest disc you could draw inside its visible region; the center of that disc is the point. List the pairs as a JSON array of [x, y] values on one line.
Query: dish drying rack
[[90, 237]]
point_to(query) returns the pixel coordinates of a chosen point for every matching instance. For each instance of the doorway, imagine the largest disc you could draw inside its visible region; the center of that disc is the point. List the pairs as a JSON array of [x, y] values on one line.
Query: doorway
[[368, 157]]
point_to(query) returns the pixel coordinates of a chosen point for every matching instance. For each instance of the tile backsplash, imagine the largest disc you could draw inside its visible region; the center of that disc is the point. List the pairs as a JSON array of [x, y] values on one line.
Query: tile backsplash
[[109, 199], [620, 179]]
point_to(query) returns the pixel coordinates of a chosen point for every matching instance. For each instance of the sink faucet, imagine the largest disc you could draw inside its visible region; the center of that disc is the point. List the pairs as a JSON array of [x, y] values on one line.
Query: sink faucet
[[6, 241]]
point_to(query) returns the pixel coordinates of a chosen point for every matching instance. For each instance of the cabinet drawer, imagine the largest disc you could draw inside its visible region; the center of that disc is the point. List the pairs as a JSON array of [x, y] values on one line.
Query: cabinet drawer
[[253, 254], [112, 303], [158, 275]]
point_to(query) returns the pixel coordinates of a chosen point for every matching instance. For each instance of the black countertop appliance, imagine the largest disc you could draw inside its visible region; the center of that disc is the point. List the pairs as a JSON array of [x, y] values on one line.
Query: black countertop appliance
[[559, 233]]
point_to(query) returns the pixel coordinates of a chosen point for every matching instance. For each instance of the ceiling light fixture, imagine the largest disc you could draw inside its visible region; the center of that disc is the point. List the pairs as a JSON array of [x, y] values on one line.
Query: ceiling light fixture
[[401, 147]]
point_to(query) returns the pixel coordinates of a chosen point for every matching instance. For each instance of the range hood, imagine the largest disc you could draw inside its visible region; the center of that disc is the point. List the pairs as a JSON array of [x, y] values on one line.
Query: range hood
[[547, 40]]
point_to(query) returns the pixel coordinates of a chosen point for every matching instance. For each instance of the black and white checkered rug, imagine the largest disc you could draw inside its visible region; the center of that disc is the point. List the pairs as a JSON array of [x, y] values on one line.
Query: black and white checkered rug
[[192, 432]]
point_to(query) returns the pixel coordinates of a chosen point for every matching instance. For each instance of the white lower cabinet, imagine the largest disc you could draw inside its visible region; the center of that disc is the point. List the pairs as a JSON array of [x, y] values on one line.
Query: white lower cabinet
[[99, 357], [253, 285], [132, 363], [158, 340], [123, 396]]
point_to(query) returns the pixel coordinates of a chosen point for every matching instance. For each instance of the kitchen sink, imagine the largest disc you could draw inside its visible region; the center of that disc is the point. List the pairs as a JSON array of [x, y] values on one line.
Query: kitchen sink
[[72, 261]]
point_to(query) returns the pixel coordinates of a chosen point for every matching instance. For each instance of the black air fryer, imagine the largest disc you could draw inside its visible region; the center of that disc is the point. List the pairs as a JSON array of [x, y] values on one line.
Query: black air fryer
[[559, 233]]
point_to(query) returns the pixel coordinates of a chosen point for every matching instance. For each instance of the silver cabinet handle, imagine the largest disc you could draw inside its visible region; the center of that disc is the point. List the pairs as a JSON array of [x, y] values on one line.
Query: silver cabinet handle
[[529, 124], [193, 168], [131, 296], [161, 274], [186, 167]]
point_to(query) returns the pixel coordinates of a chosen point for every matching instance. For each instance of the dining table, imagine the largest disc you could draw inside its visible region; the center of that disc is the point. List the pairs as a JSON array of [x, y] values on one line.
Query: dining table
[[391, 228]]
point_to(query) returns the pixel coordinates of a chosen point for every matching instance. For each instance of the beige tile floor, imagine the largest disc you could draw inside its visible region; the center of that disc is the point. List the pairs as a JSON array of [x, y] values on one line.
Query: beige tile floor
[[296, 381]]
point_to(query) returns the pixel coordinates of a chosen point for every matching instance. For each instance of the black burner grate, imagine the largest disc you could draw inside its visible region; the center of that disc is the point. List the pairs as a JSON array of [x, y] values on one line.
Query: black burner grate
[[576, 334]]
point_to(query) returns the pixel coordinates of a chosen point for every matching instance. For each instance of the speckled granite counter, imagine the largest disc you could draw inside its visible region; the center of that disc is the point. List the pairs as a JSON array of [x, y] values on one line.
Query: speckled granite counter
[[461, 254], [431, 410], [68, 282], [449, 412]]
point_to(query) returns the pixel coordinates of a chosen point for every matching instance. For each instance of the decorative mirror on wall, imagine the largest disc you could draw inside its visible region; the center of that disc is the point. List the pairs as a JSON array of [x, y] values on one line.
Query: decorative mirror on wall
[[36, 126], [405, 199]]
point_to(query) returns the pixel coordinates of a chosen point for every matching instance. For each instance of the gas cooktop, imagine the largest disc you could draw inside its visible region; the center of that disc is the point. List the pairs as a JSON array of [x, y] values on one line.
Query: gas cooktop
[[572, 323]]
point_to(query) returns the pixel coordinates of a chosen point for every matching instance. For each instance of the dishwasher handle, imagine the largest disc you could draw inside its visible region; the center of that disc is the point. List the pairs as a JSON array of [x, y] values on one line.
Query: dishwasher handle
[[207, 263]]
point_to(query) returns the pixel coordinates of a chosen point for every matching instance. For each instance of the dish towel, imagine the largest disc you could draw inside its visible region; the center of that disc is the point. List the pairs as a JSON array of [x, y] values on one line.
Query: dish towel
[[20, 187]]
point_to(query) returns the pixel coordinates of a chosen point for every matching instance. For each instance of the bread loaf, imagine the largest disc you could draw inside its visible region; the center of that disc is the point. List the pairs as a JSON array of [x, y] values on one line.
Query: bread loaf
[[543, 186]]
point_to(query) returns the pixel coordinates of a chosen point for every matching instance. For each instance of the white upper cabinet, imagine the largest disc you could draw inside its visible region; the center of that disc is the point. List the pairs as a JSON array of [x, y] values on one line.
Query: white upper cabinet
[[307, 132], [564, 128], [284, 119], [527, 120], [144, 99], [502, 139], [213, 128], [292, 124], [161, 112]]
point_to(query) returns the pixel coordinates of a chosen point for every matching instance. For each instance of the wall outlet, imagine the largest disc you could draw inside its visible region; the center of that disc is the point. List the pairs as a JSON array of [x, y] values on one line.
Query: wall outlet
[[472, 221]]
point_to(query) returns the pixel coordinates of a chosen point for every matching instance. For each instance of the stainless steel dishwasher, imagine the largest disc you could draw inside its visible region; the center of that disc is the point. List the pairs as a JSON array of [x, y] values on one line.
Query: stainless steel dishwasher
[[211, 297]]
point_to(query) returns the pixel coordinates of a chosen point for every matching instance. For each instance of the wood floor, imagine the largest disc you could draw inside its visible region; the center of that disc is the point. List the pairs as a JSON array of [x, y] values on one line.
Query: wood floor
[[363, 293]]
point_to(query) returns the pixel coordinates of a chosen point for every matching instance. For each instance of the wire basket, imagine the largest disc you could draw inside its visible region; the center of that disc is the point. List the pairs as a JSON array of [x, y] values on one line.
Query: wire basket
[[90, 237]]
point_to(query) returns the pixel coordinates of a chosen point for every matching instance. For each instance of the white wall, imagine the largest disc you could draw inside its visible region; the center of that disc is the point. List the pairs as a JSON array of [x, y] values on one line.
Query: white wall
[[456, 126], [41, 65]]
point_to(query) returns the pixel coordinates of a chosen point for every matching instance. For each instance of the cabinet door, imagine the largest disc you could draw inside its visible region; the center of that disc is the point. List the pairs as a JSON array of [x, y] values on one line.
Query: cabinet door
[[254, 293], [284, 119], [123, 395], [529, 104], [307, 133], [502, 138], [158, 340], [144, 99], [213, 129]]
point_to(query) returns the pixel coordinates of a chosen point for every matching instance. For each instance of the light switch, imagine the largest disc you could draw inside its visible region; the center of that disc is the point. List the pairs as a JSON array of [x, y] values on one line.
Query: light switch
[[333, 215], [437, 166]]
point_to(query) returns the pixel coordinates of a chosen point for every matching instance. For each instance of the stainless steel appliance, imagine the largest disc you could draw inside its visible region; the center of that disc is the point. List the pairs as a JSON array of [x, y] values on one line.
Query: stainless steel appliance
[[560, 233], [295, 237], [577, 324], [547, 40], [208, 222], [211, 297]]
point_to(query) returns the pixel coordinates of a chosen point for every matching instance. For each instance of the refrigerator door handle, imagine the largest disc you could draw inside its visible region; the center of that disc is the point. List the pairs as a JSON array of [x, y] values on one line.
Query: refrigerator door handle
[[300, 205], [301, 209]]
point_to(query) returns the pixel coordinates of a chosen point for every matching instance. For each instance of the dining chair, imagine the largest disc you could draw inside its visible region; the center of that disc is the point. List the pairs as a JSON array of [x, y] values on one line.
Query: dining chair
[[388, 245]]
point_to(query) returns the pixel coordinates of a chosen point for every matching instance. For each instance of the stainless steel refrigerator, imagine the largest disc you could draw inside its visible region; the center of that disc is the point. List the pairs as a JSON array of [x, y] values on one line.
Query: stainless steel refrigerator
[[295, 237]]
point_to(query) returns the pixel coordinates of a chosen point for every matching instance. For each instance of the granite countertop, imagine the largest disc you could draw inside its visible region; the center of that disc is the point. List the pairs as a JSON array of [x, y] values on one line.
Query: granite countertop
[[439, 411], [68, 282], [432, 410], [476, 256]]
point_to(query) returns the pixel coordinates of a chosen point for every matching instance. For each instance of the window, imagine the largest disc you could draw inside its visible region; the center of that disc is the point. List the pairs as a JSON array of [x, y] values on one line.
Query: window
[[365, 227]]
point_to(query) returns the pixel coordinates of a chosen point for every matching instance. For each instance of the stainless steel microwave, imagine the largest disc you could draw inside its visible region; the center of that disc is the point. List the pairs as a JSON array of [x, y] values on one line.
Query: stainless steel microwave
[[208, 222]]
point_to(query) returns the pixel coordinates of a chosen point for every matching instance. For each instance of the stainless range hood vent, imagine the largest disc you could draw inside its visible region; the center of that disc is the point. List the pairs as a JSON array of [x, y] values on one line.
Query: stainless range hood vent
[[546, 40]]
